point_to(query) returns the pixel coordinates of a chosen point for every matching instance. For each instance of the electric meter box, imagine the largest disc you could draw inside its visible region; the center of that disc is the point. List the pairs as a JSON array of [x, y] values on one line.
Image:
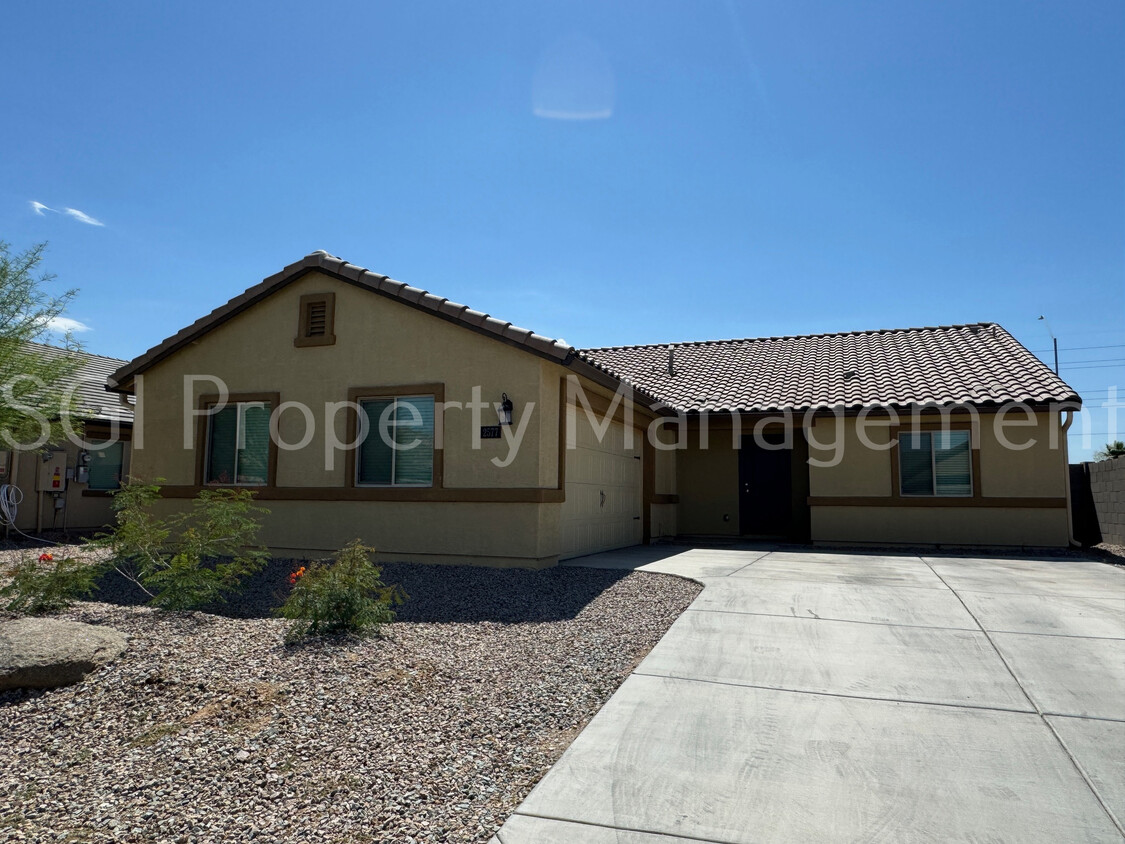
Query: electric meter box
[[52, 473]]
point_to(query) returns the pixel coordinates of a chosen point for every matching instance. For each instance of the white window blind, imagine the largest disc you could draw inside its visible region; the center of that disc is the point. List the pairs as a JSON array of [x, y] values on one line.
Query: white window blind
[[397, 447], [935, 463], [238, 445]]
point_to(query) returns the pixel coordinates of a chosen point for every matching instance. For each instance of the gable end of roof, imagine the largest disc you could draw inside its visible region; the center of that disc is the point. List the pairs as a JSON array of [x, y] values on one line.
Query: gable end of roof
[[320, 261]]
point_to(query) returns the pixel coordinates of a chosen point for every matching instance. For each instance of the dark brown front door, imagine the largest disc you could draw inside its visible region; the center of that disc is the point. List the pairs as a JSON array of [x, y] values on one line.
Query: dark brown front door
[[765, 481]]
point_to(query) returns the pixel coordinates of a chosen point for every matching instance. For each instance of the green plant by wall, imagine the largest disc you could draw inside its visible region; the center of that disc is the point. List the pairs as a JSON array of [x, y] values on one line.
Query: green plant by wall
[[345, 595], [190, 559], [45, 585], [1111, 450]]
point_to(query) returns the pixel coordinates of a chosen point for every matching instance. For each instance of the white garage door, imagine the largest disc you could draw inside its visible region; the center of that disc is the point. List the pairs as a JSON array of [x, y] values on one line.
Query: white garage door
[[603, 490]]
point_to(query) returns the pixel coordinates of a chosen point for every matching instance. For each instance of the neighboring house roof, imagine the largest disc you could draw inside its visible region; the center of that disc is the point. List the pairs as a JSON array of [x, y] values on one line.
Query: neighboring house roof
[[979, 364], [96, 404]]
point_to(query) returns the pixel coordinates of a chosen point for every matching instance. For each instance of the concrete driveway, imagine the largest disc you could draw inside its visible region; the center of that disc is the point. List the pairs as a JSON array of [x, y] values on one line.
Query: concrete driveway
[[829, 697]]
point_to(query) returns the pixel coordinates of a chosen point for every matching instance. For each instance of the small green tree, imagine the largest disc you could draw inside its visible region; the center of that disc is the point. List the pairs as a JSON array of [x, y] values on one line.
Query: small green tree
[[34, 382], [1111, 450], [190, 559], [344, 596]]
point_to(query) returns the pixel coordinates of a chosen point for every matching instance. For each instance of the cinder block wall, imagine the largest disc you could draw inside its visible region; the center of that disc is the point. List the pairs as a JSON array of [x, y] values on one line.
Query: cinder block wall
[[1107, 485]]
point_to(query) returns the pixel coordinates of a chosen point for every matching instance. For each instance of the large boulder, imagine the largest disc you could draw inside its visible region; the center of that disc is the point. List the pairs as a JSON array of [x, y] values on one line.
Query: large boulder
[[42, 653]]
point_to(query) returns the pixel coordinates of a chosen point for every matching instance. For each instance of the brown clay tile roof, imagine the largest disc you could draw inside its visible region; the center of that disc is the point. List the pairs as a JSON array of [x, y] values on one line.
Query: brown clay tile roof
[[89, 382], [977, 364]]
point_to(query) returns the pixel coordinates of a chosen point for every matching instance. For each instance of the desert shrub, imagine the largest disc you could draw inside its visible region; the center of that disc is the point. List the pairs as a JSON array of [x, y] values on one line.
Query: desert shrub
[[344, 595], [189, 559], [1111, 450], [45, 585]]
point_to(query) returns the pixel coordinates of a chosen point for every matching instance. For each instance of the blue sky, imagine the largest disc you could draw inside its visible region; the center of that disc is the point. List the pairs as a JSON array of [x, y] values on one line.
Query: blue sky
[[604, 172]]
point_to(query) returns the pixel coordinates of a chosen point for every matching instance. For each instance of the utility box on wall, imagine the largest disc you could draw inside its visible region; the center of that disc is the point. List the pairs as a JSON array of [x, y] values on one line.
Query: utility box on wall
[[52, 473]]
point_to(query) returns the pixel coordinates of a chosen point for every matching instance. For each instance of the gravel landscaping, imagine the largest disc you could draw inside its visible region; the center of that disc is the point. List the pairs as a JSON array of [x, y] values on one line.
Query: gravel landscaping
[[209, 729], [1111, 553]]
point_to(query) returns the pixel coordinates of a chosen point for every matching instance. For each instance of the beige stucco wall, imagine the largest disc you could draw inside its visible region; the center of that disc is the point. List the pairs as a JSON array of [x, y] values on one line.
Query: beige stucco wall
[[1038, 471], [432, 532], [665, 521], [385, 343], [708, 487], [665, 467], [379, 343], [708, 484], [863, 471], [941, 525], [708, 477], [662, 516]]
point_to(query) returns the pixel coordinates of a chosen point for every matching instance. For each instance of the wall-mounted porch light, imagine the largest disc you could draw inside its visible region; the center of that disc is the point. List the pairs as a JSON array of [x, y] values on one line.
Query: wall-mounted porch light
[[504, 411]]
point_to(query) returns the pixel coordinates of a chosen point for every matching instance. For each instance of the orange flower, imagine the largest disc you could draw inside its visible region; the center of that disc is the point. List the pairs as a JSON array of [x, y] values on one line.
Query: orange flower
[[46, 558]]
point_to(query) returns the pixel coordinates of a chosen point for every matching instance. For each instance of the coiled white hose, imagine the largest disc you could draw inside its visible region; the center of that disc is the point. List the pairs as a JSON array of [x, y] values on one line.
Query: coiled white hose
[[11, 497]]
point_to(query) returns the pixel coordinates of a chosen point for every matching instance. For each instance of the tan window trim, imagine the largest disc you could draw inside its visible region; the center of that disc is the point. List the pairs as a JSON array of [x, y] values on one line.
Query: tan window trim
[[390, 392], [202, 423], [324, 305], [940, 501], [456, 495]]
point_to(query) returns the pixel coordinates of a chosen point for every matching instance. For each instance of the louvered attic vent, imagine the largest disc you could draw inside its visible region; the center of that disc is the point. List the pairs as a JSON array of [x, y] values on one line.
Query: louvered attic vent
[[318, 319], [315, 326]]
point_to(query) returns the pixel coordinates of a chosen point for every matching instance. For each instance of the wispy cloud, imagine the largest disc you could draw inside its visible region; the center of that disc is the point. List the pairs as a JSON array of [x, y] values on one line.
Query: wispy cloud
[[73, 213], [61, 325], [82, 218], [563, 114], [573, 80]]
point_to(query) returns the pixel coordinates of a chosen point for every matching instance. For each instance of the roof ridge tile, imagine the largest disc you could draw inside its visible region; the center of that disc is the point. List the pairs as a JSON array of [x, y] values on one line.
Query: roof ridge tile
[[775, 337]]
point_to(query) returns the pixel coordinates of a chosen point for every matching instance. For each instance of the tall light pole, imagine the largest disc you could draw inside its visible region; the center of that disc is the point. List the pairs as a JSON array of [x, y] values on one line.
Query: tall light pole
[[1054, 342]]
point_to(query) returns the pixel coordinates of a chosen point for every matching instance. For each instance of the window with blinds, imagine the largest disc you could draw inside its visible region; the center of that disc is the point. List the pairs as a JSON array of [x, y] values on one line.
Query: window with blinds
[[396, 442], [238, 445], [935, 463]]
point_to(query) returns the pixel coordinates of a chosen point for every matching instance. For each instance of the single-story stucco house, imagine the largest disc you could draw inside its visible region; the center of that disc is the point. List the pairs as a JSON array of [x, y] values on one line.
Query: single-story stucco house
[[384, 402], [68, 485]]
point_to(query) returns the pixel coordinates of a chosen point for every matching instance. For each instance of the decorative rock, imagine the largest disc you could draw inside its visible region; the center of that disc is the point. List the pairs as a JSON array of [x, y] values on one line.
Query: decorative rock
[[348, 727], [42, 653]]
